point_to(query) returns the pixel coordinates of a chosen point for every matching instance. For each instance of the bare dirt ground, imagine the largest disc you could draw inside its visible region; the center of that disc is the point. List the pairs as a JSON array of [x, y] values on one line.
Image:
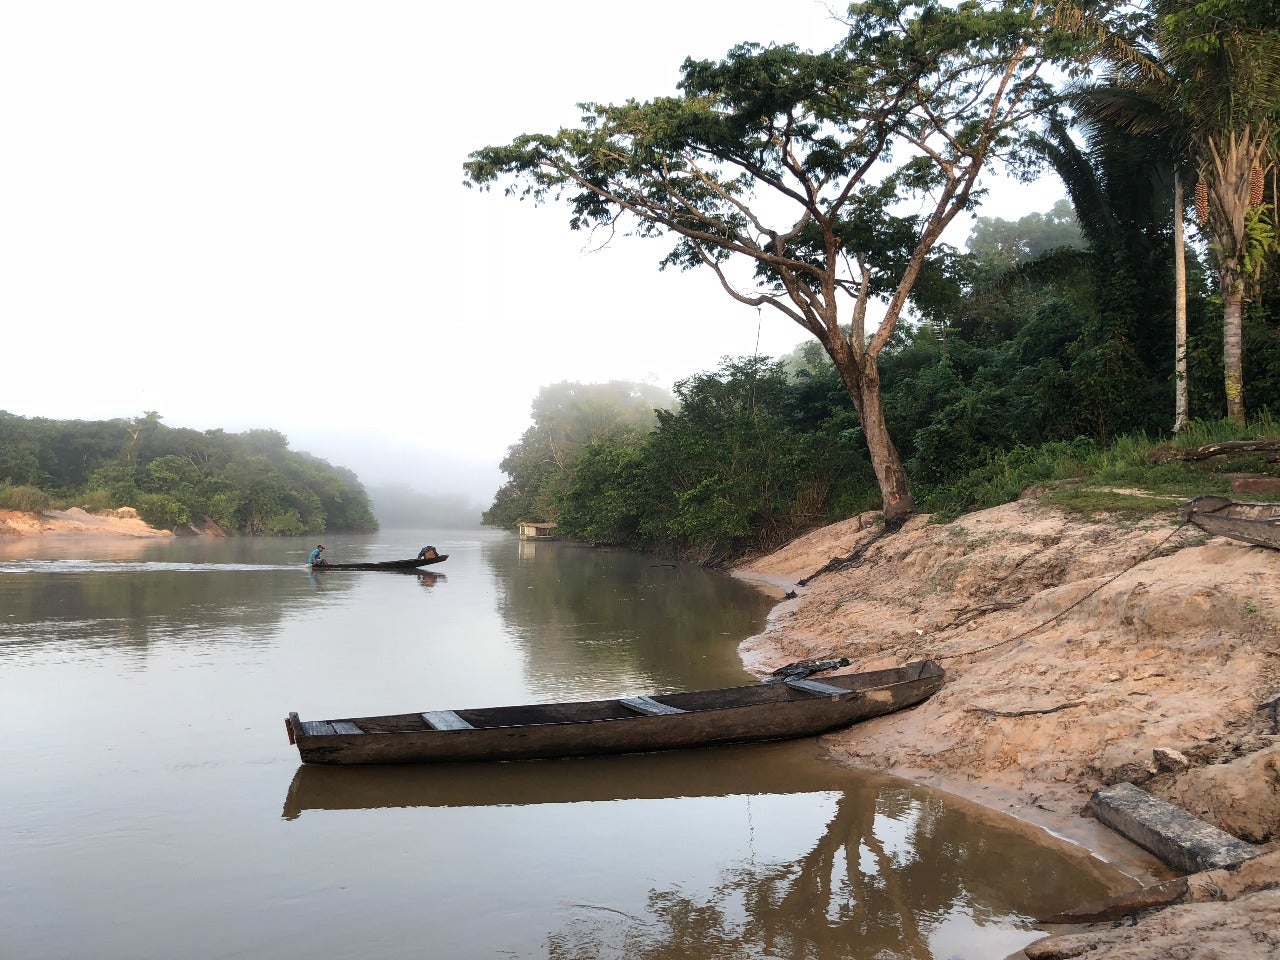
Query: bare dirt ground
[[1076, 649], [123, 522]]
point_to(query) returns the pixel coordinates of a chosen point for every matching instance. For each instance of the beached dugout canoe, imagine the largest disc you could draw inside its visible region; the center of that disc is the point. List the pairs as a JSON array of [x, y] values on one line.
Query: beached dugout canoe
[[674, 721], [1256, 523]]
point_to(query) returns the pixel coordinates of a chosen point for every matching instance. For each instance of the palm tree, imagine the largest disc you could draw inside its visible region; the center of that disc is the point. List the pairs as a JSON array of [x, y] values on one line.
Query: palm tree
[[1129, 128], [1203, 78]]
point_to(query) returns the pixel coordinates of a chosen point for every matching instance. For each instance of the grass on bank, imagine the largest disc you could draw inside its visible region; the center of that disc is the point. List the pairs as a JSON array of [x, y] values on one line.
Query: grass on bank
[[1127, 477]]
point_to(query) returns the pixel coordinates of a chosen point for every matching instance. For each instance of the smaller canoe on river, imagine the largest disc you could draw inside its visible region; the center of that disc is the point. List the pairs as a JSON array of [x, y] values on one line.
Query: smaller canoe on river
[[784, 710], [1257, 523], [384, 564]]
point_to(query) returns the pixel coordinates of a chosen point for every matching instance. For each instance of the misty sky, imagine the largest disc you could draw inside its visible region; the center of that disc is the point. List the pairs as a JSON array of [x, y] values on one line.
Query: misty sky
[[251, 214]]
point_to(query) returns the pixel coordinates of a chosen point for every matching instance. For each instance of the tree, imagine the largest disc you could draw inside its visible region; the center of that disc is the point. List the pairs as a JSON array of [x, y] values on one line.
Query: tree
[[568, 417], [1120, 183], [828, 176], [1006, 243], [1226, 59], [1205, 78]]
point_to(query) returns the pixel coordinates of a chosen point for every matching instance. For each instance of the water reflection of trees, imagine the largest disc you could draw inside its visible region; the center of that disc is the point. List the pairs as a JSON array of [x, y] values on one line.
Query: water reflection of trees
[[887, 871], [136, 607], [597, 608]]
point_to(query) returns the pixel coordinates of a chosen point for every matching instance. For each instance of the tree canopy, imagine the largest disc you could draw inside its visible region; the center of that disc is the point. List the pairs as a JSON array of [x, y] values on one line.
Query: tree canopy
[[1199, 85], [568, 418], [817, 184], [248, 483]]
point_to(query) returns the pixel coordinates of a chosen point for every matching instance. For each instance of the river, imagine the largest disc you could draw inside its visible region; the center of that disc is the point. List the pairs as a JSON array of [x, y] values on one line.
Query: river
[[155, 809]]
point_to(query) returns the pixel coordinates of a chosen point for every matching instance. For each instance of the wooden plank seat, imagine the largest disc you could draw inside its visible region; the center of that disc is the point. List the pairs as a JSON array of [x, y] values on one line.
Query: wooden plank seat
[[445, 720], [650, 706], [324, 728], [816, 686]]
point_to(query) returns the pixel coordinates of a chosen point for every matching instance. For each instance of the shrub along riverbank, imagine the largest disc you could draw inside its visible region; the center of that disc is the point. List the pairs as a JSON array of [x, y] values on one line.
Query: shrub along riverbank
[[752, 456]]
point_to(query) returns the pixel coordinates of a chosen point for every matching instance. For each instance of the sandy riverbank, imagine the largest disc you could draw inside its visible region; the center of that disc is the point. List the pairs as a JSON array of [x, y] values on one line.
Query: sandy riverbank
[[1075, 648], [75, 522]]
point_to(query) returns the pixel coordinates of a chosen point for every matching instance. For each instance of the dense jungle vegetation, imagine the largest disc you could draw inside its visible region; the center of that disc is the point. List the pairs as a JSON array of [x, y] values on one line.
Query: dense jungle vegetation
[[247, 483], [823, 185], [1042, 356]]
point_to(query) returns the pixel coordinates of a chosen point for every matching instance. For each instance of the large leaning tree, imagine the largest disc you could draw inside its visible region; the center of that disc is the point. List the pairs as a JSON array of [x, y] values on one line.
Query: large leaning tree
[[815, 183]]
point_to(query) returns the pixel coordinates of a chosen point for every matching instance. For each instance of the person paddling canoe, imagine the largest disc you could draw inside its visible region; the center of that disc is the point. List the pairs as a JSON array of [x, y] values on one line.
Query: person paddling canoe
[[316, 559]]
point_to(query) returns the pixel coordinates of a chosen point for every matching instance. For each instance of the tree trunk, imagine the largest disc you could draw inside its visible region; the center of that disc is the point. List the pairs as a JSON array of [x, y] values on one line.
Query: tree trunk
[[1180, 405], [1228, 164], [862, 381], [1232, 349]]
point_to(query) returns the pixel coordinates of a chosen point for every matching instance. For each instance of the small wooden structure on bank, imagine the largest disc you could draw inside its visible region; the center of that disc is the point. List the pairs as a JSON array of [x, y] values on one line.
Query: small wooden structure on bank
[[536, 531]]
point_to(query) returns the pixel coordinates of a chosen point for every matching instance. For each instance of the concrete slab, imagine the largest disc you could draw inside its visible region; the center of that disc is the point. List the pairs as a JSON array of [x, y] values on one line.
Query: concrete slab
[[1180, 839]]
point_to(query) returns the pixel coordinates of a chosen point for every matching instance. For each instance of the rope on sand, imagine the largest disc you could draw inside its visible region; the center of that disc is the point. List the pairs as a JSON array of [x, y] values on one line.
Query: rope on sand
[[1065, 610]]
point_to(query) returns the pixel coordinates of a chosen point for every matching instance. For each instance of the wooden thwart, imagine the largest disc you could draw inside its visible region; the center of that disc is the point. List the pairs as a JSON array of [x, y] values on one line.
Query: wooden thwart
[[650, 706], [445, 720], [816, 686]]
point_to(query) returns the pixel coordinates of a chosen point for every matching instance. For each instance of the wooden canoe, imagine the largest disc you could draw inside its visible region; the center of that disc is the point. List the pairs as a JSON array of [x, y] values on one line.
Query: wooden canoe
[[674, 721], [1256, 523], [383, 565]]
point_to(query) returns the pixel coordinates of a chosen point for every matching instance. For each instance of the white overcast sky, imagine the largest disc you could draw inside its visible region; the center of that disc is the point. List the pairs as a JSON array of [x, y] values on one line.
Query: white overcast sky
[[251, 214]]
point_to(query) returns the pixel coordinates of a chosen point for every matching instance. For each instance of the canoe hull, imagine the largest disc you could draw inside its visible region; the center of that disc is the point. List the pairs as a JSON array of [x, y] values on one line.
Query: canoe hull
[[709, 718], [384, 564], [1256, 523]]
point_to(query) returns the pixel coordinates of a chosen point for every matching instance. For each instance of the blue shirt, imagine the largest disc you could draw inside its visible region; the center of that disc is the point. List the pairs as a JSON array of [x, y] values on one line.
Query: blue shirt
[[315, 555]]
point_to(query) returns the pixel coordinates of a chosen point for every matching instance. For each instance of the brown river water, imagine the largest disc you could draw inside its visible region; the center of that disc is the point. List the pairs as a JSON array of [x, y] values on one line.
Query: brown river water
[[155, 809]]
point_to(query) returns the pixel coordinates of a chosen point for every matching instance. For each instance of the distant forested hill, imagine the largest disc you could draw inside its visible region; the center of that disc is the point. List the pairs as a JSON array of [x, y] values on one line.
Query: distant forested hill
[[248, 483]]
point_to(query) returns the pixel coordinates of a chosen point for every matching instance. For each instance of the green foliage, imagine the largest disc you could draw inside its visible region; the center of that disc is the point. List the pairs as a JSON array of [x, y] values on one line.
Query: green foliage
[[1088, 477], [160, 510], [94, 500], [568, 418], [1055, 371], [1261, 240], [829, 176], [749, 459], [1111, 502], [23, 497], [247, 483], [606, 500], [1002, 476], [1001, 244]]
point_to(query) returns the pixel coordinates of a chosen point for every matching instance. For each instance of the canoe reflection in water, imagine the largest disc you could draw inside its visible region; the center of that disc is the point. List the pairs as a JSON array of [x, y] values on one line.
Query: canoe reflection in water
[[427, 578], [715, 772], [882, 867]]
